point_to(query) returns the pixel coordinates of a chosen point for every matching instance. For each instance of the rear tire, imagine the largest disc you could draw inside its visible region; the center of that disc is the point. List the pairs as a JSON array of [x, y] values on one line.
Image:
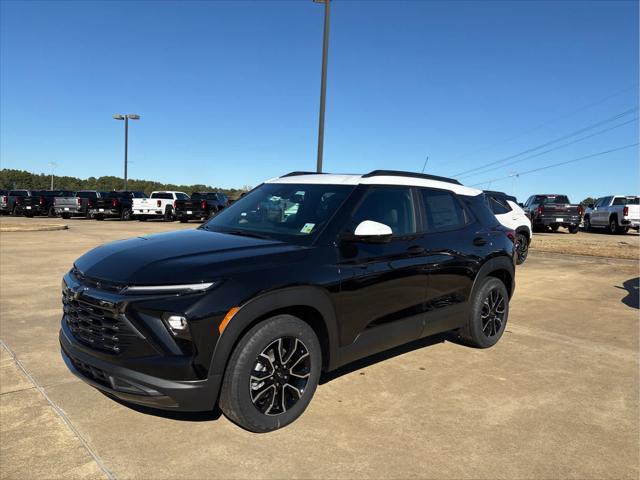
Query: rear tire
[[51, 213], [488, 316], [573, 228], [587, 224], [142, 218], [272, 374], [125, 215], [522, 248], [99, 217], [183, 220], [554, 228], [168, 215], [613, 225], [66, 216]]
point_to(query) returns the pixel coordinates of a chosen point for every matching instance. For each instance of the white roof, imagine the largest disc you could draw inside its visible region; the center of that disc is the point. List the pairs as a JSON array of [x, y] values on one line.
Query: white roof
[[339, 179]]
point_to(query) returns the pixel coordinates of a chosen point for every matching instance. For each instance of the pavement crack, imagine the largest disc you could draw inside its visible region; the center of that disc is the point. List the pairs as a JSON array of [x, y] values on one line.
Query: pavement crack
[[60, 412]]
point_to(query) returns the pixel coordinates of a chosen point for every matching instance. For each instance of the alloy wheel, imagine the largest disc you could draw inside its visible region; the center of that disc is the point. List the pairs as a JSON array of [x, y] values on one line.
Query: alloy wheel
[[522, 248], [492, 315], [280, 375]]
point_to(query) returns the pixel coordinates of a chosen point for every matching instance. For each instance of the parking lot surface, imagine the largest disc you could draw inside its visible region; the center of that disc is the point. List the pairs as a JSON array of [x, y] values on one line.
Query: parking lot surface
[[557, 397]]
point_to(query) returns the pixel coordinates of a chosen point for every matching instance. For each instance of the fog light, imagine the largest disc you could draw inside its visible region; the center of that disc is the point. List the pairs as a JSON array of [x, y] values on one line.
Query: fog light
[[177, 323]]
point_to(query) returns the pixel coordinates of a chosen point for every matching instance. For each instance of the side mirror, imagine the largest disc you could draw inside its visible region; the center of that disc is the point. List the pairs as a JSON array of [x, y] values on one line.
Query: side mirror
[[369, 231], [590, 205]]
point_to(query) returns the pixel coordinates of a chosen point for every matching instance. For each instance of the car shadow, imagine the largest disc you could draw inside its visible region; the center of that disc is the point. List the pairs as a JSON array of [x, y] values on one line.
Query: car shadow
[[386, 355], [169, 414], [633, 292]]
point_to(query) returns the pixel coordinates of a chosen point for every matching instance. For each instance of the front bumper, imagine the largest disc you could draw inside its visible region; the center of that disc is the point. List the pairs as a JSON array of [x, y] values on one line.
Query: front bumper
[[136, 387]]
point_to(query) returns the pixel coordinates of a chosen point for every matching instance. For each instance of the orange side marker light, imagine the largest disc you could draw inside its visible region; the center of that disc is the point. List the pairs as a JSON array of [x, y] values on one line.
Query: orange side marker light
[[227, 318]]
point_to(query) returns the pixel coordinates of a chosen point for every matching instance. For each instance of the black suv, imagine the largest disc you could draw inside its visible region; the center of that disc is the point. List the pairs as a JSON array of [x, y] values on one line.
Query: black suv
[[305, 273]]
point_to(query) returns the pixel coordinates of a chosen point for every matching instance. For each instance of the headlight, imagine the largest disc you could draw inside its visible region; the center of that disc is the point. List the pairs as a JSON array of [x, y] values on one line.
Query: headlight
[[183, 288]]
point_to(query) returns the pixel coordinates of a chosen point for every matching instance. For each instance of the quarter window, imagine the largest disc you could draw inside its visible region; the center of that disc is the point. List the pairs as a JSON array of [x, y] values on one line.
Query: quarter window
[[498, 206], [442, 210]]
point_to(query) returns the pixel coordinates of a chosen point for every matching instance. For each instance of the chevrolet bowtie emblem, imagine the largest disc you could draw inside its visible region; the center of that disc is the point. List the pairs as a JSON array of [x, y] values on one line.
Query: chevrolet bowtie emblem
[[78, 292]]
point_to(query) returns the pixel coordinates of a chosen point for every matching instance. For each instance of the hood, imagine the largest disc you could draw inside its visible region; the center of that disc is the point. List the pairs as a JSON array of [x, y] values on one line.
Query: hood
[[186, 256]]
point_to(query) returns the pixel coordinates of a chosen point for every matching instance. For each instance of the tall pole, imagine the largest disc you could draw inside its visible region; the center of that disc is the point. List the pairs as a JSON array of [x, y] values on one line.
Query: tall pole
[[126, 148], [323, 85]]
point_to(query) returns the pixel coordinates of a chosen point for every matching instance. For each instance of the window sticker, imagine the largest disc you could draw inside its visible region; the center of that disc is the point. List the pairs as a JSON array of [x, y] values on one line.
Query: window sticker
[[308, 228]]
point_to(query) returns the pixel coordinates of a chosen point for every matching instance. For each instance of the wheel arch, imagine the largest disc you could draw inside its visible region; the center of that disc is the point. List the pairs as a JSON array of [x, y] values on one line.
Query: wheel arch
[[500, 267], [524, 229], [311, 304]]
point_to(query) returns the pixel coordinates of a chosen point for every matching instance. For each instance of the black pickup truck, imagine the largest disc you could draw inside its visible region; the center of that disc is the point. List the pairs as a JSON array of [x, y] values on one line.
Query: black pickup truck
[[41, 202], [12, 204], [77, 205], [116, 204], [201, 205], [553, 211]]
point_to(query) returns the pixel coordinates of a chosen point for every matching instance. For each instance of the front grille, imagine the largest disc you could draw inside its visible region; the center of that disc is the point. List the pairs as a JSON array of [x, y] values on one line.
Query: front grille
[[96, 326]]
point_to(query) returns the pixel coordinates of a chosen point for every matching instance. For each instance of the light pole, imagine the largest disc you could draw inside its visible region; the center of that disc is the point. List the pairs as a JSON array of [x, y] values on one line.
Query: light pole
[[323, 83], [52, 165], [126, 118]]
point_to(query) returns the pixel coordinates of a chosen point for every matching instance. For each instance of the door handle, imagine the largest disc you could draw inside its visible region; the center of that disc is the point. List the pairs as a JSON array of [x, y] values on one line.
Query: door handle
[[415, 250], [479, 241]]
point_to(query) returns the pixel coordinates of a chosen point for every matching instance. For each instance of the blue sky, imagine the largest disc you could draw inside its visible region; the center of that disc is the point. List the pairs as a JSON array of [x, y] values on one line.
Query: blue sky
[[228, 90]]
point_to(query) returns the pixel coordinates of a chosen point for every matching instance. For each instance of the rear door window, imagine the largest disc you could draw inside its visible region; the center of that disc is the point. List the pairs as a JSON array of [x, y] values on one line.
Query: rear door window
[[442, 210], [182, 196]]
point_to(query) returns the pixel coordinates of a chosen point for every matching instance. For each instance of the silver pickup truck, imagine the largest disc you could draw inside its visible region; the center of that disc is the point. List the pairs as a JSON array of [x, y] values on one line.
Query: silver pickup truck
[[78, 205], [616, 213]]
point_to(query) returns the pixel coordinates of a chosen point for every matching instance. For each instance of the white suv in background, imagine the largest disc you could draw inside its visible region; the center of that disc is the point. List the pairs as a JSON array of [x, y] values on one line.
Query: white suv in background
[[158, 205], [511, 215]]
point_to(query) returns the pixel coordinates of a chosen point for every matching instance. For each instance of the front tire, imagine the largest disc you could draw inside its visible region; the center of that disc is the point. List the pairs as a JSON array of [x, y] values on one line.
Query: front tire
[[488, 316], [272, 374]]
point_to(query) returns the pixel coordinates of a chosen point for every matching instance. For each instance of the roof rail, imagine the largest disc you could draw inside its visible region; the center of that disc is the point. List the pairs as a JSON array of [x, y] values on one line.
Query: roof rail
[[295, 174], [398, 173]]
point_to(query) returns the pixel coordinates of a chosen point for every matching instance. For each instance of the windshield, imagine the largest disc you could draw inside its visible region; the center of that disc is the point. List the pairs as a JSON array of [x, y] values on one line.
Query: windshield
[[295, 213]]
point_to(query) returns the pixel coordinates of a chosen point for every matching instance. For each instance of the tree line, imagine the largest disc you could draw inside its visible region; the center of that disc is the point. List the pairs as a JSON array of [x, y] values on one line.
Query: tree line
[[12, 179]]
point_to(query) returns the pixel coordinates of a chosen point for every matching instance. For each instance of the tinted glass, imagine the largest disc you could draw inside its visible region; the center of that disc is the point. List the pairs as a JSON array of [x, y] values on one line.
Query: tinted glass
[[87, 195], [162, 195], [555, 199], [289, 212], [442, 210], [18, 193], [182, 196], [498, 206], [391, 206], [626, 201]]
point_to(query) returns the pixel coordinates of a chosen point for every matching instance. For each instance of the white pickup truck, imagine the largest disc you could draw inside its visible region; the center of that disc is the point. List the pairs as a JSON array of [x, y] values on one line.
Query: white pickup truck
[[616, 213], [158, 205]]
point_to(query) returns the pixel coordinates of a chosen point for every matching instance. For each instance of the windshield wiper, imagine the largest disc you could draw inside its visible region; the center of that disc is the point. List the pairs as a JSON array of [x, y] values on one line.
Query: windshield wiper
[[246, 233]]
